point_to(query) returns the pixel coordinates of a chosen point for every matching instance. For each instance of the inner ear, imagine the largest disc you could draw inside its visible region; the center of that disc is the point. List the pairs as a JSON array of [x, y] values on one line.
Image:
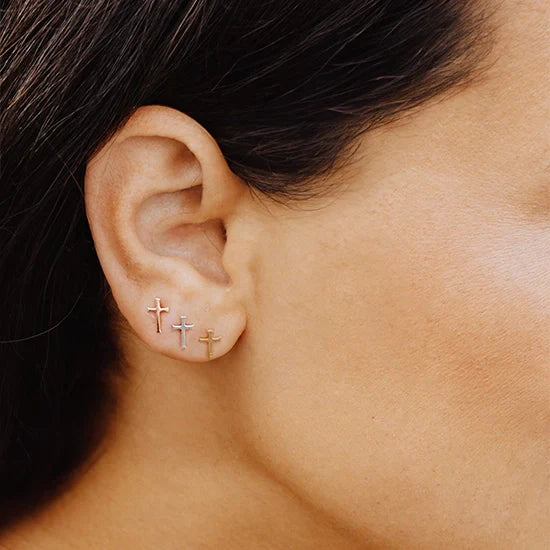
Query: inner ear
[[165, 226]]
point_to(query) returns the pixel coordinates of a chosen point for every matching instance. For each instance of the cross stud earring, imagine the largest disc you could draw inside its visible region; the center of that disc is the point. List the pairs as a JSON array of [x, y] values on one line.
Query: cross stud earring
[[184, 327], [209, 339], [158, 310]]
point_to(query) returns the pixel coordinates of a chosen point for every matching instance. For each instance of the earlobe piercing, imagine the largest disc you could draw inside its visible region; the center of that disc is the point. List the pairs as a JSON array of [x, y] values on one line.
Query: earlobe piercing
[[158, 309], [184, 328], [209, 340]]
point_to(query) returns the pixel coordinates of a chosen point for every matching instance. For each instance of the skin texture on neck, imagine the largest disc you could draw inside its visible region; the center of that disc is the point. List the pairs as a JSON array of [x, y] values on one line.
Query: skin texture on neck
[[174, 473]]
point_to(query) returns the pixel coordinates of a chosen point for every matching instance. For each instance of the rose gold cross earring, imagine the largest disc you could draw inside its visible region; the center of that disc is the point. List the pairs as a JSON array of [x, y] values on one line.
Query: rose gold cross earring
[[158, 310]]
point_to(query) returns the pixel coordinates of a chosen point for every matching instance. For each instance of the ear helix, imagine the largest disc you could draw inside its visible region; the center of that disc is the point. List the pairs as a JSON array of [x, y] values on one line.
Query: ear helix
[[184, 328]]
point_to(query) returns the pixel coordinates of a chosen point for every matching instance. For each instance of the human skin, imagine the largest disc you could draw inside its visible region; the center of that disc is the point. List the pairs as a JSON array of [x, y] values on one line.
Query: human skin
[[384, 380]]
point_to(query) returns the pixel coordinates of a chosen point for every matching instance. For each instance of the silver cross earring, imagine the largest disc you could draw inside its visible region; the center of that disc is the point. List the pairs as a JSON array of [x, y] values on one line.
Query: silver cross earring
[[184, 327]]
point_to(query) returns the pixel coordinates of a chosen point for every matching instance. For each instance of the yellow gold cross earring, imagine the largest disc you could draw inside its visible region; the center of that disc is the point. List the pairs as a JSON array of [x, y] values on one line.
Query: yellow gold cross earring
[[209, 340]]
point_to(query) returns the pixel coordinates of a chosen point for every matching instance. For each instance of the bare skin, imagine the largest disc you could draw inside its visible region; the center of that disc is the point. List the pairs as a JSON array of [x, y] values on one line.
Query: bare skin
[[382, 380]]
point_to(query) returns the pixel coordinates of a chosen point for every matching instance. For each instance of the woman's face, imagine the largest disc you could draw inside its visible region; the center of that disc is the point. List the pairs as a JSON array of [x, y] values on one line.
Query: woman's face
[[398, 347]]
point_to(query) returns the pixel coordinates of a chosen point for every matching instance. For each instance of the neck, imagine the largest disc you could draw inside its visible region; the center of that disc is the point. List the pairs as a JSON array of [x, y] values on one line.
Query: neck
[[174, 472]]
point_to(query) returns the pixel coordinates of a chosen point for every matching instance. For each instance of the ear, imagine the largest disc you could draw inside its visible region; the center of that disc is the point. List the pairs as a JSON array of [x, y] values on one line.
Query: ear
[[160, 199]]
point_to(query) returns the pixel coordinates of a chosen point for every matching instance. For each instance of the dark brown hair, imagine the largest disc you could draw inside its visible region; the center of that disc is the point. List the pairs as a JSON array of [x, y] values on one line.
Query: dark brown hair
[[285, 86]]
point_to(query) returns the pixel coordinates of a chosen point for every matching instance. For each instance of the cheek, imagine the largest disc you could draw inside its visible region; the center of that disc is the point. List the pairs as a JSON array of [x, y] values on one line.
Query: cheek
[[394, 360]]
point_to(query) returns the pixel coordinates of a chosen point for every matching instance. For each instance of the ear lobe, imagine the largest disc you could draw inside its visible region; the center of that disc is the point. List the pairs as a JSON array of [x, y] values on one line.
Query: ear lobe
[[158, 196]]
